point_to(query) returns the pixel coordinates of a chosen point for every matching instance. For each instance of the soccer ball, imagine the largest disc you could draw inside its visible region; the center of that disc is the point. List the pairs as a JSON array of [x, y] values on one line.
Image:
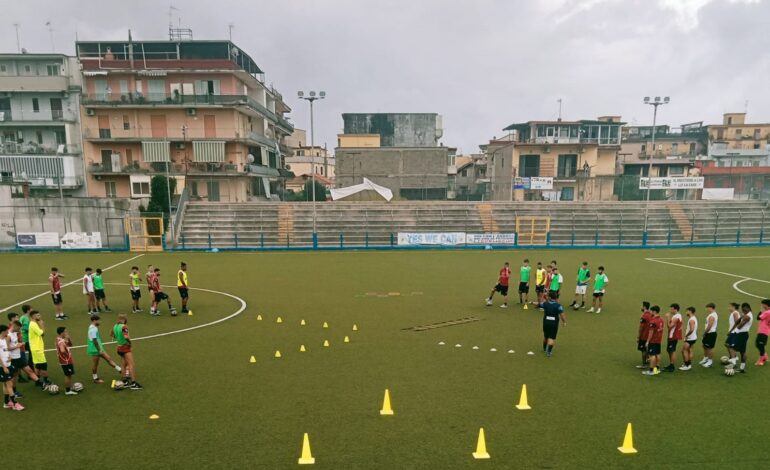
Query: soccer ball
[[53, 389], [77, 387], [725, 360], [730, 372]]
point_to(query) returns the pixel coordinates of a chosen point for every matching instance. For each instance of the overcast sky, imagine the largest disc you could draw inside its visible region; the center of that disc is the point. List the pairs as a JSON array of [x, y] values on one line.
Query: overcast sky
[[482, 64]]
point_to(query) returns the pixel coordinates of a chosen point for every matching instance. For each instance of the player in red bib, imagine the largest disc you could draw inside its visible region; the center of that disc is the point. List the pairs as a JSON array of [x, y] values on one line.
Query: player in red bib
[[654, 338], [501, 286], [674, 335], [644, 326], [63, 353], [54, 282]]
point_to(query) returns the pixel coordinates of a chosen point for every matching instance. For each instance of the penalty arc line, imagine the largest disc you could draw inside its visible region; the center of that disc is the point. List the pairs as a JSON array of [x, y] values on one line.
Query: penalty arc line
[[183, 330], [741, 278], [75, 281]]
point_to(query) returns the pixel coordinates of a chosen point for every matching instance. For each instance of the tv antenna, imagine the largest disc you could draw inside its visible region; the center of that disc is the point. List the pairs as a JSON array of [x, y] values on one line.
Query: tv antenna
[[50, 34], [230, 27], [18, 43]]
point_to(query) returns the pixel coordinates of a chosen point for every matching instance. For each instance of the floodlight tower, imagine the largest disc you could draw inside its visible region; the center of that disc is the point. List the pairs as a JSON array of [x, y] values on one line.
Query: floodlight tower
[[311, 97], [655, 102]]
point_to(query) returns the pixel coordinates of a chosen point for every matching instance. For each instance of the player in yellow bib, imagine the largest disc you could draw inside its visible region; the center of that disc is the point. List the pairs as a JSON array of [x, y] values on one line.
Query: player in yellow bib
[[181, 284], [37, 348]]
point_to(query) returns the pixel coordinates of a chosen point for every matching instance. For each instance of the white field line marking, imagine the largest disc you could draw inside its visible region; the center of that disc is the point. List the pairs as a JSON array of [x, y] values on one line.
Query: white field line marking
[[183, 330], [741, 278], [713, 257], [74, 281]]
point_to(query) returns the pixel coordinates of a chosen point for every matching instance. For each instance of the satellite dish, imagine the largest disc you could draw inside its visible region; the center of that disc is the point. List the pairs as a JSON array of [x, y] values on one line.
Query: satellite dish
[[250, 158], [300, 94]]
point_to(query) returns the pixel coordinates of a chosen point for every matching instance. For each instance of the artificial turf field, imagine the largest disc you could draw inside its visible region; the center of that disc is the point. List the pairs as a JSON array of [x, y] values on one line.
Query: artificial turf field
[[218, 410]]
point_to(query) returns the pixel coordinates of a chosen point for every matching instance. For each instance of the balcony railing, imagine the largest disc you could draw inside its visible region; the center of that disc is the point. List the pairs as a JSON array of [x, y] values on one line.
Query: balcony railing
[[12, 148], [178, 99], [6, 115]]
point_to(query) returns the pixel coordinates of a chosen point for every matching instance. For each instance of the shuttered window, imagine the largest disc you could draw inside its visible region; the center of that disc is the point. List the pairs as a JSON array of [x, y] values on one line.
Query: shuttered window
[[210, 151], [156, 151]]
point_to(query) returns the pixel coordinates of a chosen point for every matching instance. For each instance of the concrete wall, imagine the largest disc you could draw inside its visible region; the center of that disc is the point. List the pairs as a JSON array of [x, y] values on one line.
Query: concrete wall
[[67, 215], [396, 130], [394, 168]]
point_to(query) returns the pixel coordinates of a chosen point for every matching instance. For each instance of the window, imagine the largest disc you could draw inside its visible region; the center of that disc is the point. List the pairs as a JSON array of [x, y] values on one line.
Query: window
[[3, 68], [567, 166], [52, 70], [550, 131], [757, 134], [529, 165], [110, 189], [27, 69], [729, 121], [692, 149], [756, 146], [720, 163], [674, 149], [567, 193], [39, 135], [35, 105], [738, 133], [126, 122], [755, 163], [140, 188], [644, 148], [739, 163], [720, 134], [300, 153]]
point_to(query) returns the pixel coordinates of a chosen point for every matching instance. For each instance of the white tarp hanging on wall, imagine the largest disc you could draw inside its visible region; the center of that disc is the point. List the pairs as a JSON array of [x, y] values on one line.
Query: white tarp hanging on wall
[[718, 194], [81, 240], [367, 185]]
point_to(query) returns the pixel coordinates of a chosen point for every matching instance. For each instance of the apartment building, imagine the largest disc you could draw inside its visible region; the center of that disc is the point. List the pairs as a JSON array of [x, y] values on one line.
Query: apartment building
[[40, 151], [198, 111], [305, 159], [578, 156], [674, 151]]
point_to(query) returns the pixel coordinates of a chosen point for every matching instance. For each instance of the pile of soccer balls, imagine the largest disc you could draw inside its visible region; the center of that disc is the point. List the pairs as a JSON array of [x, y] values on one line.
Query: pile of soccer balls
[[729, 369]]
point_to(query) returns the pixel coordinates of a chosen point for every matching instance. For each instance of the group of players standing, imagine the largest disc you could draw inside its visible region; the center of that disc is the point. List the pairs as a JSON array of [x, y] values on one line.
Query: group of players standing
[[22, 346], [740, 321], [548, 284]]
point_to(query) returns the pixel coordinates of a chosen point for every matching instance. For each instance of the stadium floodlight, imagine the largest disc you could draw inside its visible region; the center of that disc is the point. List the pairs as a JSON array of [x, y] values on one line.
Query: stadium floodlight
[[311, 98], [654, 103]]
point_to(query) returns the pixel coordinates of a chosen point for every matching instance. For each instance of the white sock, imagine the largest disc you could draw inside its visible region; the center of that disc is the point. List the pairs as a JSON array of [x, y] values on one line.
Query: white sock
[[96, 376], [117, 368]]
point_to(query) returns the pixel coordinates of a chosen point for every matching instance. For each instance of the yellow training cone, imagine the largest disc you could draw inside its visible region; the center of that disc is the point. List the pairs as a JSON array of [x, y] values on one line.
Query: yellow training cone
[[386, 408], [189, 313], [346, 340], [326, 343], [481, 447], [278, 354], [302, 323], [307, 457], [279, 320], [113, 384], [302, 348], [526, 307], [154, 417], [523, 404], [253, 359], [355, 327], [628, 442], [326, 325], [259, 317]]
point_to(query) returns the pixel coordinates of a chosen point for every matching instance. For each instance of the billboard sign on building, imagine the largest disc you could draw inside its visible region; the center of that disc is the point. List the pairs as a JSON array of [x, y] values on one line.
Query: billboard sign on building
[[674, 182], [37, 240], [431, 238], [534, 182], [490, 238]]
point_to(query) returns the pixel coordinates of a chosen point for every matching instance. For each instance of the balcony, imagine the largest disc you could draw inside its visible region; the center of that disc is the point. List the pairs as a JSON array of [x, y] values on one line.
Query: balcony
[[41, 171], [34, 83], [102, 100], [31, 118], [26, 149], [175, 169]]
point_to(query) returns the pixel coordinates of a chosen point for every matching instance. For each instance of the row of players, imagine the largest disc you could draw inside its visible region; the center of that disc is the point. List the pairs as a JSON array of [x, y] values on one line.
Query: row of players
[[22, 349], [96, 297], [740, 321], [549, 281]]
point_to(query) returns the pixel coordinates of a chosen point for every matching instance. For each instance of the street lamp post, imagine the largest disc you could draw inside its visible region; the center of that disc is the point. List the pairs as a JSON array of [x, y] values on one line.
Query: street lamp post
[[311, 98], [655, 102]]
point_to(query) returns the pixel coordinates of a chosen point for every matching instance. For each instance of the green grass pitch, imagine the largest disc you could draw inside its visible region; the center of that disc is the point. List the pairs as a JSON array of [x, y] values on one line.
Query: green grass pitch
[[218, 410]]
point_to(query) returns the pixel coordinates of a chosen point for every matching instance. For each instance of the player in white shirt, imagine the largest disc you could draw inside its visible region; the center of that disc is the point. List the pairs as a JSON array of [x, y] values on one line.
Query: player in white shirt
[[89, 292], [732, 334], [690, 338], [743, 327], [709, 335], [6, 372]]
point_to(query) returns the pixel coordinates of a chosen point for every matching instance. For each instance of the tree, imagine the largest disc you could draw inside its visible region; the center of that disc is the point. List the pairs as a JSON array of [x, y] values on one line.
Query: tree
[[159, 192], [320, 191]]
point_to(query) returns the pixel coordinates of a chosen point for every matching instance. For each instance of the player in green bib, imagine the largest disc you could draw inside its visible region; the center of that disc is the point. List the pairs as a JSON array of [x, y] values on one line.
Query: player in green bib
[[583, 276], [600, 286], [101, 297], [95, 349], [524, 273], [120, 335], [136, 290]]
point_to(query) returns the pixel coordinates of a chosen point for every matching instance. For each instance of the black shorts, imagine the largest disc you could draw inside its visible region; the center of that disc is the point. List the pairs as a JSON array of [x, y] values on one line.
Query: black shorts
[[653, 349], [99, 293], [598, 294], [641, 345], [741, 340], [183, 292], [57, 299], [160, 296], [503, 290], [43, 366], [136, 294], [671, 346], [540, 289], [550, 330], [710, 340], [761, 340], [554, 292], [691, 341], [19, 363], [730, 341], [6, 377], [68, 369]]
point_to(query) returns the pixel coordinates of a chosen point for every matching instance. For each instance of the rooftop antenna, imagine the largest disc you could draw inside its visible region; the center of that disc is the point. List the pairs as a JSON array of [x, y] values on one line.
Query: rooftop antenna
[[230, 27], [18, 43], [559, 101], [50, 34], [746, 107]]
